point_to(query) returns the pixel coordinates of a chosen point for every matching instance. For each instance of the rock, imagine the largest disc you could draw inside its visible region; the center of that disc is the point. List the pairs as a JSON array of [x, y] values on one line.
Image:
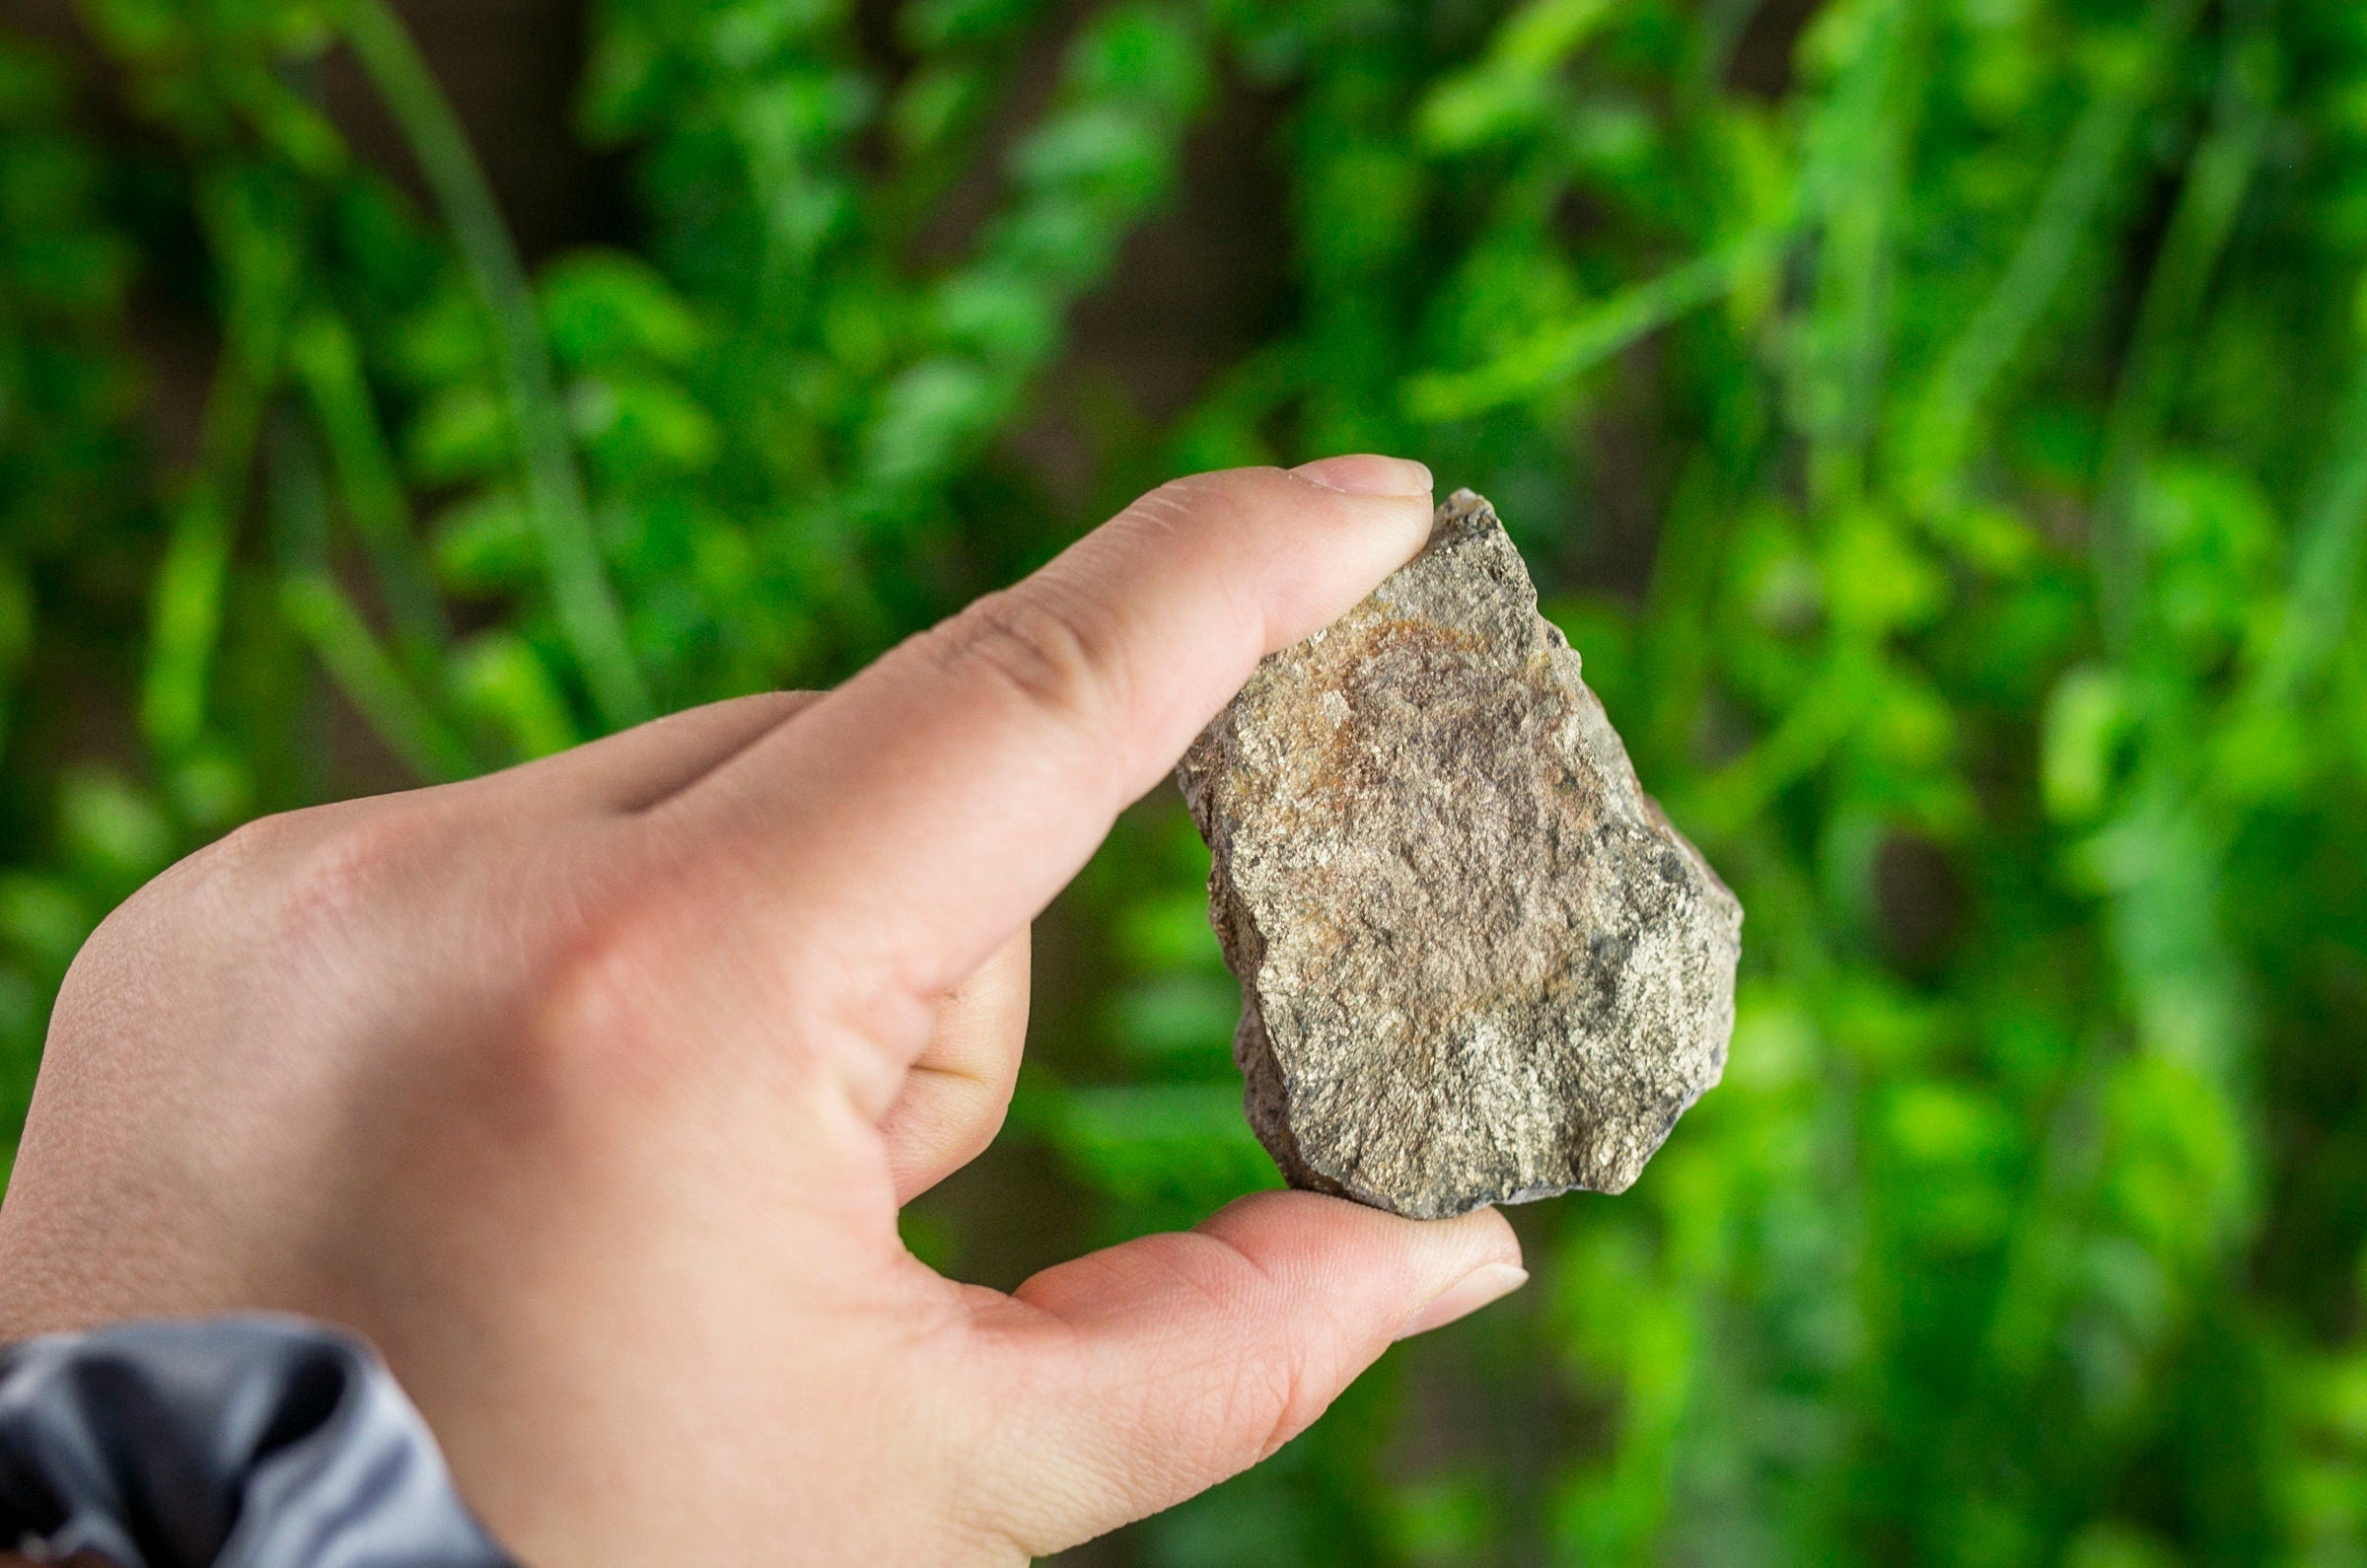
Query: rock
[[1477, 963]]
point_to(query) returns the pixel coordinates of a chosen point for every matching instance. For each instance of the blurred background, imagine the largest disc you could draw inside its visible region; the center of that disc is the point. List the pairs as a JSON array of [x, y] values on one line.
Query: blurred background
[[1940, 424]]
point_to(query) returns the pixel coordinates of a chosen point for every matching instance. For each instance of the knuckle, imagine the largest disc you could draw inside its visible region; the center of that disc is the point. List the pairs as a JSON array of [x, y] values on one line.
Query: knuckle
[[968, 1118], [238, 863], [990, 1111], [289, 893], [1274, 1392], [1279, 1403], [249, 845], [229, 876], [88, 995], [593, 995], [1261, 1390], [1218, 1422], [339, 878], [1195, 499], [1043, 651], [1220, 488], [1225, 498], [1265, 1403], [631, 986]]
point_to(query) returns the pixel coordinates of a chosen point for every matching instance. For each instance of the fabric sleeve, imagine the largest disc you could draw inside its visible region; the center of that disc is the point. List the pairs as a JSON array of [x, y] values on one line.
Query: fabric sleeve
[[229, 1443]]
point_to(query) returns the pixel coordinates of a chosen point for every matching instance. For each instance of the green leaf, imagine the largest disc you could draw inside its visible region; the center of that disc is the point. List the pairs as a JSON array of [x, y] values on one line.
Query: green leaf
[[1561, 353], [2087, 719], [604, 307], [501, 682], [113, 828]]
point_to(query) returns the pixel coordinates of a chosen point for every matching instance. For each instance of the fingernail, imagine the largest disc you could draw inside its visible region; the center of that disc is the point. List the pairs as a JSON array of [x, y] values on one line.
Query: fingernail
[[1366, 474], [1492, 1282]]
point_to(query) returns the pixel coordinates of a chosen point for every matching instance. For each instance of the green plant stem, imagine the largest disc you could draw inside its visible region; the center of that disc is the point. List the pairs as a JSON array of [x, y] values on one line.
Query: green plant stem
[[1727, 800], [185, 611], [2217, 178], [2326, 550], [258, 284], [1561, 354], [1859, 147], [1673, 643], [588, 610], [326, 361], [322, 613], [2082, 177]]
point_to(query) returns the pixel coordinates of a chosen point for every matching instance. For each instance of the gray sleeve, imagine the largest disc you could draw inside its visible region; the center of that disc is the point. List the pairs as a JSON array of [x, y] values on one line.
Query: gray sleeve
[[231, 1443]]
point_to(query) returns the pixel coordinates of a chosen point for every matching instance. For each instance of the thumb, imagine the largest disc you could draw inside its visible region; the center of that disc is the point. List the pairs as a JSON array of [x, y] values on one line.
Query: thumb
[[1149, 1372]]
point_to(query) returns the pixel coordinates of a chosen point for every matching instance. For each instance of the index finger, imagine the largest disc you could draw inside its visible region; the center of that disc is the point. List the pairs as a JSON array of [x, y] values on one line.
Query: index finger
[[921, 812]]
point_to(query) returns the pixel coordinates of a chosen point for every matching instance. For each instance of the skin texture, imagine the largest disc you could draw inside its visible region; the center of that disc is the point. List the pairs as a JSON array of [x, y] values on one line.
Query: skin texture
[[590, 1092]]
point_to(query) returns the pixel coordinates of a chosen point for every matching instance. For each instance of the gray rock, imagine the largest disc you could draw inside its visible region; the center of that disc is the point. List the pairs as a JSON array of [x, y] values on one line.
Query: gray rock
[[1477, 963]]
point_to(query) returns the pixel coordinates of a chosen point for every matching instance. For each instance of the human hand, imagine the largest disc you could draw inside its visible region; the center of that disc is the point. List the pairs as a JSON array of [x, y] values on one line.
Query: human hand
[[590, 1092]]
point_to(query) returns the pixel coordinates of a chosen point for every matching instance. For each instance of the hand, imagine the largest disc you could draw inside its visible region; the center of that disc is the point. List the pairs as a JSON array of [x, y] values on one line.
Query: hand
[[589, 1090]]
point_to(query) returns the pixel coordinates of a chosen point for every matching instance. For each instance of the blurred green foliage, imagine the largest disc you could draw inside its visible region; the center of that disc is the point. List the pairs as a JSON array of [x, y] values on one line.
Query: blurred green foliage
[[1996, 379]]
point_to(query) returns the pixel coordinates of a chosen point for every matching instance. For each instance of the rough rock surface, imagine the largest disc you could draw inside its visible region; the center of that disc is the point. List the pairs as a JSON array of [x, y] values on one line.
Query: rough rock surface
[[1477, 963]]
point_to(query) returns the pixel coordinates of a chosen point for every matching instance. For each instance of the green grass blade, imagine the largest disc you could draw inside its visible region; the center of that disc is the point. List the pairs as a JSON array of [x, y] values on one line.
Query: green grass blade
[[587, 605], [2218, 178], [326, 358], [324, 615], [186, 606], [320, 610], [1559, 356], [2328, 544], [2082, 178], [1859, 147]]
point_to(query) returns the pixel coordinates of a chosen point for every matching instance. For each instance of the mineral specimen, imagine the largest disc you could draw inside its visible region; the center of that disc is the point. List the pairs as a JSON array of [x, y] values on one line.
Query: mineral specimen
[[1477, 963]]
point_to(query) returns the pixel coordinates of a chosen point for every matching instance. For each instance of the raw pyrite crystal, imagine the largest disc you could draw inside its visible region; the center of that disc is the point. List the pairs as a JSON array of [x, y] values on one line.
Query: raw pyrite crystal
[[1477, 963]]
